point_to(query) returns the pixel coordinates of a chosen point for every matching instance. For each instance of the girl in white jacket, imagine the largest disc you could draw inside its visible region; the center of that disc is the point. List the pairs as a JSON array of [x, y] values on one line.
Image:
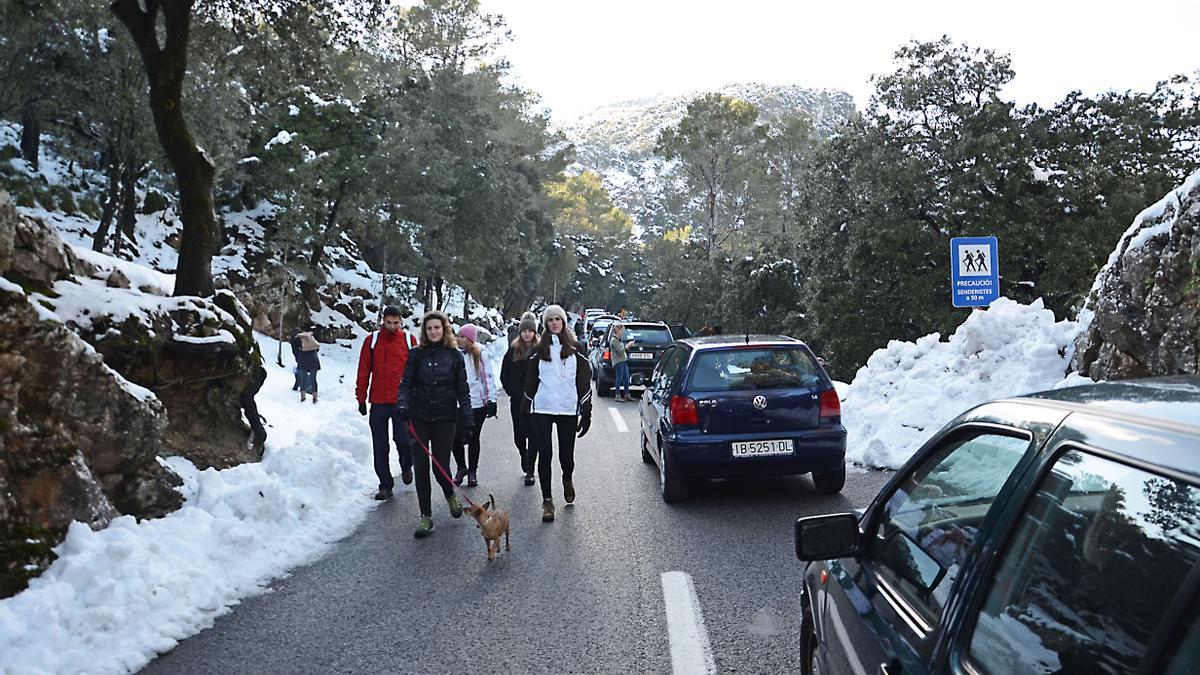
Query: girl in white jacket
[[483, 405]]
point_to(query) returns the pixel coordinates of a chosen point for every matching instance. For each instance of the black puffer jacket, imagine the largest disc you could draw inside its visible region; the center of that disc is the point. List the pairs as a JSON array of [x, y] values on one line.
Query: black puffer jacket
[[434, 387], [512, 374]]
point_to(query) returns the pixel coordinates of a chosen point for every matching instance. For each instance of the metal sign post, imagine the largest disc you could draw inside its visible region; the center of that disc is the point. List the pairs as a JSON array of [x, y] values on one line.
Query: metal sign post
[[975, 277]]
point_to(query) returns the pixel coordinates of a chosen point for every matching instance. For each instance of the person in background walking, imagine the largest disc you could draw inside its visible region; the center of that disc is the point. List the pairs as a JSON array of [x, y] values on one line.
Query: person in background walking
[[620, 360], [512, 377], [484, 393], [308, 363], [558, 393], [433, 396], [381, 363]]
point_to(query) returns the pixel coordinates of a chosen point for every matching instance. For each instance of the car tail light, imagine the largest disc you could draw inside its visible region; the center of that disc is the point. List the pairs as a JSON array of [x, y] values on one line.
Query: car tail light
[[607, 355], [831, 407], [684, 412]]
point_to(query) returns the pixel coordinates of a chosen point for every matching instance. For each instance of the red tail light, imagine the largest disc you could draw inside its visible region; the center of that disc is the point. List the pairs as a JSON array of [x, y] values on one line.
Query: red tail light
[[607, 355], [684, 412], [831, 406]]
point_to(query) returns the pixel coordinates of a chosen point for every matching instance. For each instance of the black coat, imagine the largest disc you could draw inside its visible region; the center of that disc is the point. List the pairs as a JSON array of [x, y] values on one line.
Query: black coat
[[434, 387], [512, 375], [305, 360]]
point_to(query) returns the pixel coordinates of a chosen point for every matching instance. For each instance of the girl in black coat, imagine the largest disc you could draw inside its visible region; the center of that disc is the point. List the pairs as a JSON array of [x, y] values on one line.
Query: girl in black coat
[[434, 395], [512, 378]]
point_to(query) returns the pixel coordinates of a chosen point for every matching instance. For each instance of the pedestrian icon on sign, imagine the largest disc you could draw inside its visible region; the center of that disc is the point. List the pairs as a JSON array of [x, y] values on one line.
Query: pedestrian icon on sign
[[975, 260]]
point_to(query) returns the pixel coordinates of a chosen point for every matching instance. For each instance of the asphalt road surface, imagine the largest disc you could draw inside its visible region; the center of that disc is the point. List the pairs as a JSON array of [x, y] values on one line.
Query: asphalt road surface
[[588, 593]]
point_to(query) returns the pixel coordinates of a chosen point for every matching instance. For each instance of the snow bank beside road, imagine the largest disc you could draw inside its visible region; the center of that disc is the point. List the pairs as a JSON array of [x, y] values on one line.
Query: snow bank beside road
[[907, 391], [116, 598]]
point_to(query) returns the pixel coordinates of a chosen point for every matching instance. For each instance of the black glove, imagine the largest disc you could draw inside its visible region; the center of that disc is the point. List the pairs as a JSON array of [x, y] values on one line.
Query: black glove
[[362, 408], [403, 415], [585, 423], [491, 409]]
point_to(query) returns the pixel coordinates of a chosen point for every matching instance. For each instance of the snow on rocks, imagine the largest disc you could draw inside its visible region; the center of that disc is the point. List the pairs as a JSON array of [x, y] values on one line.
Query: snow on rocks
[[117, 597], [909, 390]]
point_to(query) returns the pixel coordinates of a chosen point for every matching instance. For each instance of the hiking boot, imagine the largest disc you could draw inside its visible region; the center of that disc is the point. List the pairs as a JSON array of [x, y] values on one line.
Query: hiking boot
[[529, 478], [455, 506], [302, 397], [406, 476], [547, 510], [383, 495], [314, 397], [424, 528], [472, 481], [568, 491], [459, 475]]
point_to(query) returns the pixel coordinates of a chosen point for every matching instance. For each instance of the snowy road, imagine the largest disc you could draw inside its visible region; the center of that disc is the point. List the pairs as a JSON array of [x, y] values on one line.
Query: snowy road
[[583, 594]]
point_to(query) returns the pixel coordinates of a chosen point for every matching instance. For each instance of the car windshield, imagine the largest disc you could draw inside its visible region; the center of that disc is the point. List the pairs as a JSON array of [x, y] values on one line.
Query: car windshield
[[648, 335], [765, 368], [599, 327]]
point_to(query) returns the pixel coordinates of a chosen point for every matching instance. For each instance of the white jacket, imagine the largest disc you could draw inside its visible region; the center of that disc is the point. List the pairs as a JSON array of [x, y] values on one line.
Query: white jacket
[[556, 394], [483, 389]]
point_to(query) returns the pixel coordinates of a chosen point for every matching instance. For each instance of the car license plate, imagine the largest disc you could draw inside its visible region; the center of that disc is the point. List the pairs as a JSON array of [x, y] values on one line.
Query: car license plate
[[641, 355], [742, 449]]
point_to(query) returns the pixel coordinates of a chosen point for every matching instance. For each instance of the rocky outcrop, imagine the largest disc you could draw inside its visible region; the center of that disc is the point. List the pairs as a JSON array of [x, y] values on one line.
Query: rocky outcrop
[[77, 441], [1143, 315]]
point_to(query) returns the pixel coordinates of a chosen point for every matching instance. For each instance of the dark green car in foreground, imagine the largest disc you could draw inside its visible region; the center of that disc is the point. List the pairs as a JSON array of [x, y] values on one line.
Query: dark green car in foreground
[[1052, 533]]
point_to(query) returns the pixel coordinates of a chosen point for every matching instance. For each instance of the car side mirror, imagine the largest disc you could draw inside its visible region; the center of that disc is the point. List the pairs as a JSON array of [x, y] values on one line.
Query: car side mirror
[[826, 537]]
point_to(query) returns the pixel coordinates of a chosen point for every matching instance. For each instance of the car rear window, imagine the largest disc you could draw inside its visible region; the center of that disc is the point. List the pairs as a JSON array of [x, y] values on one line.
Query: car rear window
[[766, 368], [648, 335]]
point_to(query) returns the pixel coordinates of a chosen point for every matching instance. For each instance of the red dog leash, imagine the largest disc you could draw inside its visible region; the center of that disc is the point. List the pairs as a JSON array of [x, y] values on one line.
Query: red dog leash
[[413, 432]]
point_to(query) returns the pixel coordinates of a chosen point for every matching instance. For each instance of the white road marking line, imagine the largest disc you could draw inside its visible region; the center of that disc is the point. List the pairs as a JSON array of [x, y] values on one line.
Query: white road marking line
[[690, 650], [839, 627], [620, 421]]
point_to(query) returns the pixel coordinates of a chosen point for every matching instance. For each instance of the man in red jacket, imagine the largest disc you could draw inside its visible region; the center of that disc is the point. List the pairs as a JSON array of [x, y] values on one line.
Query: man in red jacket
[[380, 368]]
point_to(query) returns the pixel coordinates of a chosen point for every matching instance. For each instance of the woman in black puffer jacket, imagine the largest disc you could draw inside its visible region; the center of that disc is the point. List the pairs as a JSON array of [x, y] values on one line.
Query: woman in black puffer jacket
[[435, 396], [512, 378]]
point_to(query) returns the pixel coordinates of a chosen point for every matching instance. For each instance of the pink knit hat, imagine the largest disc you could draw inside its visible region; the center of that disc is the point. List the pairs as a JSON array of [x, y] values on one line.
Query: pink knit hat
[[468, 332]]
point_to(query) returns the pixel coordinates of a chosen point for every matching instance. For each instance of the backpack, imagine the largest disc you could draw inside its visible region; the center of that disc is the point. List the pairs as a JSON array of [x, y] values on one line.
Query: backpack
[[409, 341], [308, 343]]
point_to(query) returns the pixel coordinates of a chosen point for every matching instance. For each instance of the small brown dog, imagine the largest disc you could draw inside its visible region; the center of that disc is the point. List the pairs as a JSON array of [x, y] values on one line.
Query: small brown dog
[[492, 523]]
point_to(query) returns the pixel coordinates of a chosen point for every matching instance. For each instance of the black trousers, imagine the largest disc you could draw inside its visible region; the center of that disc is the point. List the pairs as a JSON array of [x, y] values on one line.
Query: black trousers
[[539, 431], [469, 460], [381, 415], [520, 425], [439, 438]]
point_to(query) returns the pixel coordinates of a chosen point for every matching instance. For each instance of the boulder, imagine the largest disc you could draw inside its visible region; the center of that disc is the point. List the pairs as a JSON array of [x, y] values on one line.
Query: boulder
[[77, 442], [1143, 315]]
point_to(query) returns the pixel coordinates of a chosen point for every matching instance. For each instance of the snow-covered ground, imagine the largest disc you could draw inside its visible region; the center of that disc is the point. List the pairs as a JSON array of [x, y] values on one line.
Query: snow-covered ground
[[909, 390], [117, 597]]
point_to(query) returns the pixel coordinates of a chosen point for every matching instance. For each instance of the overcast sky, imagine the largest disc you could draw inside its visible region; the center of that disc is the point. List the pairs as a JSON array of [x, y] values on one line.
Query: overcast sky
[[579, 54]]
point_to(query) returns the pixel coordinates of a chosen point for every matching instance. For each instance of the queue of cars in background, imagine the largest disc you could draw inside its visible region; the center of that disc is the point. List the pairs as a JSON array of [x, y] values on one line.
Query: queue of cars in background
[[740, 406], [1052, 533]]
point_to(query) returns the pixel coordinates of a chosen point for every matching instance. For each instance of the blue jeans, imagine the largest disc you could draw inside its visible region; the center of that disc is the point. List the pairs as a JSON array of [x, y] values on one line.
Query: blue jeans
[[308, 381], [622, 377]]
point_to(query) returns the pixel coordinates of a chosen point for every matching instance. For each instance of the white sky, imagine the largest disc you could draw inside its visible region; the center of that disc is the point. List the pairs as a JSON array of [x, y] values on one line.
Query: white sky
[[579, 55]]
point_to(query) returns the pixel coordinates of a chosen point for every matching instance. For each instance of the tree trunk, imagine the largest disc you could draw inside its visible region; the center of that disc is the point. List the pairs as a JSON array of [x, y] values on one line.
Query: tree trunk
[[439, 293], [111, 198], [466, 305], [127, 220], [282, 307], [330, 219], [166, 67], [31, 133]]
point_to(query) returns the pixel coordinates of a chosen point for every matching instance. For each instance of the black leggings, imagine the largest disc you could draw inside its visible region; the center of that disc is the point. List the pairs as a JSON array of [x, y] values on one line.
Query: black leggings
[[521, 434], [439, 438], [471, 461], [539, 431]]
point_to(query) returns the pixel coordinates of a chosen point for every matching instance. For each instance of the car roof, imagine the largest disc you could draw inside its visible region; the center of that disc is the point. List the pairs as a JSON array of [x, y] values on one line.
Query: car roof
[[714, 341], [643, 324], [1174, 401]]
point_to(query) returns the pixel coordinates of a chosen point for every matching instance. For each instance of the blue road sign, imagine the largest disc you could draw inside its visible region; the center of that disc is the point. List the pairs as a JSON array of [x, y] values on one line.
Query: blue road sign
[[975, 281]]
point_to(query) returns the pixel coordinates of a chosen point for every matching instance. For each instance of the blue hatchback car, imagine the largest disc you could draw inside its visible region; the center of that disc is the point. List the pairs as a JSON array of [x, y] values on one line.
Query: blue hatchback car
[[730, 406]]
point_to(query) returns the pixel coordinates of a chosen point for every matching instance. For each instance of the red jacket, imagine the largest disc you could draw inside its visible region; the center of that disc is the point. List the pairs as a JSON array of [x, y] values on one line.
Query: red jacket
[[384, 368]]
